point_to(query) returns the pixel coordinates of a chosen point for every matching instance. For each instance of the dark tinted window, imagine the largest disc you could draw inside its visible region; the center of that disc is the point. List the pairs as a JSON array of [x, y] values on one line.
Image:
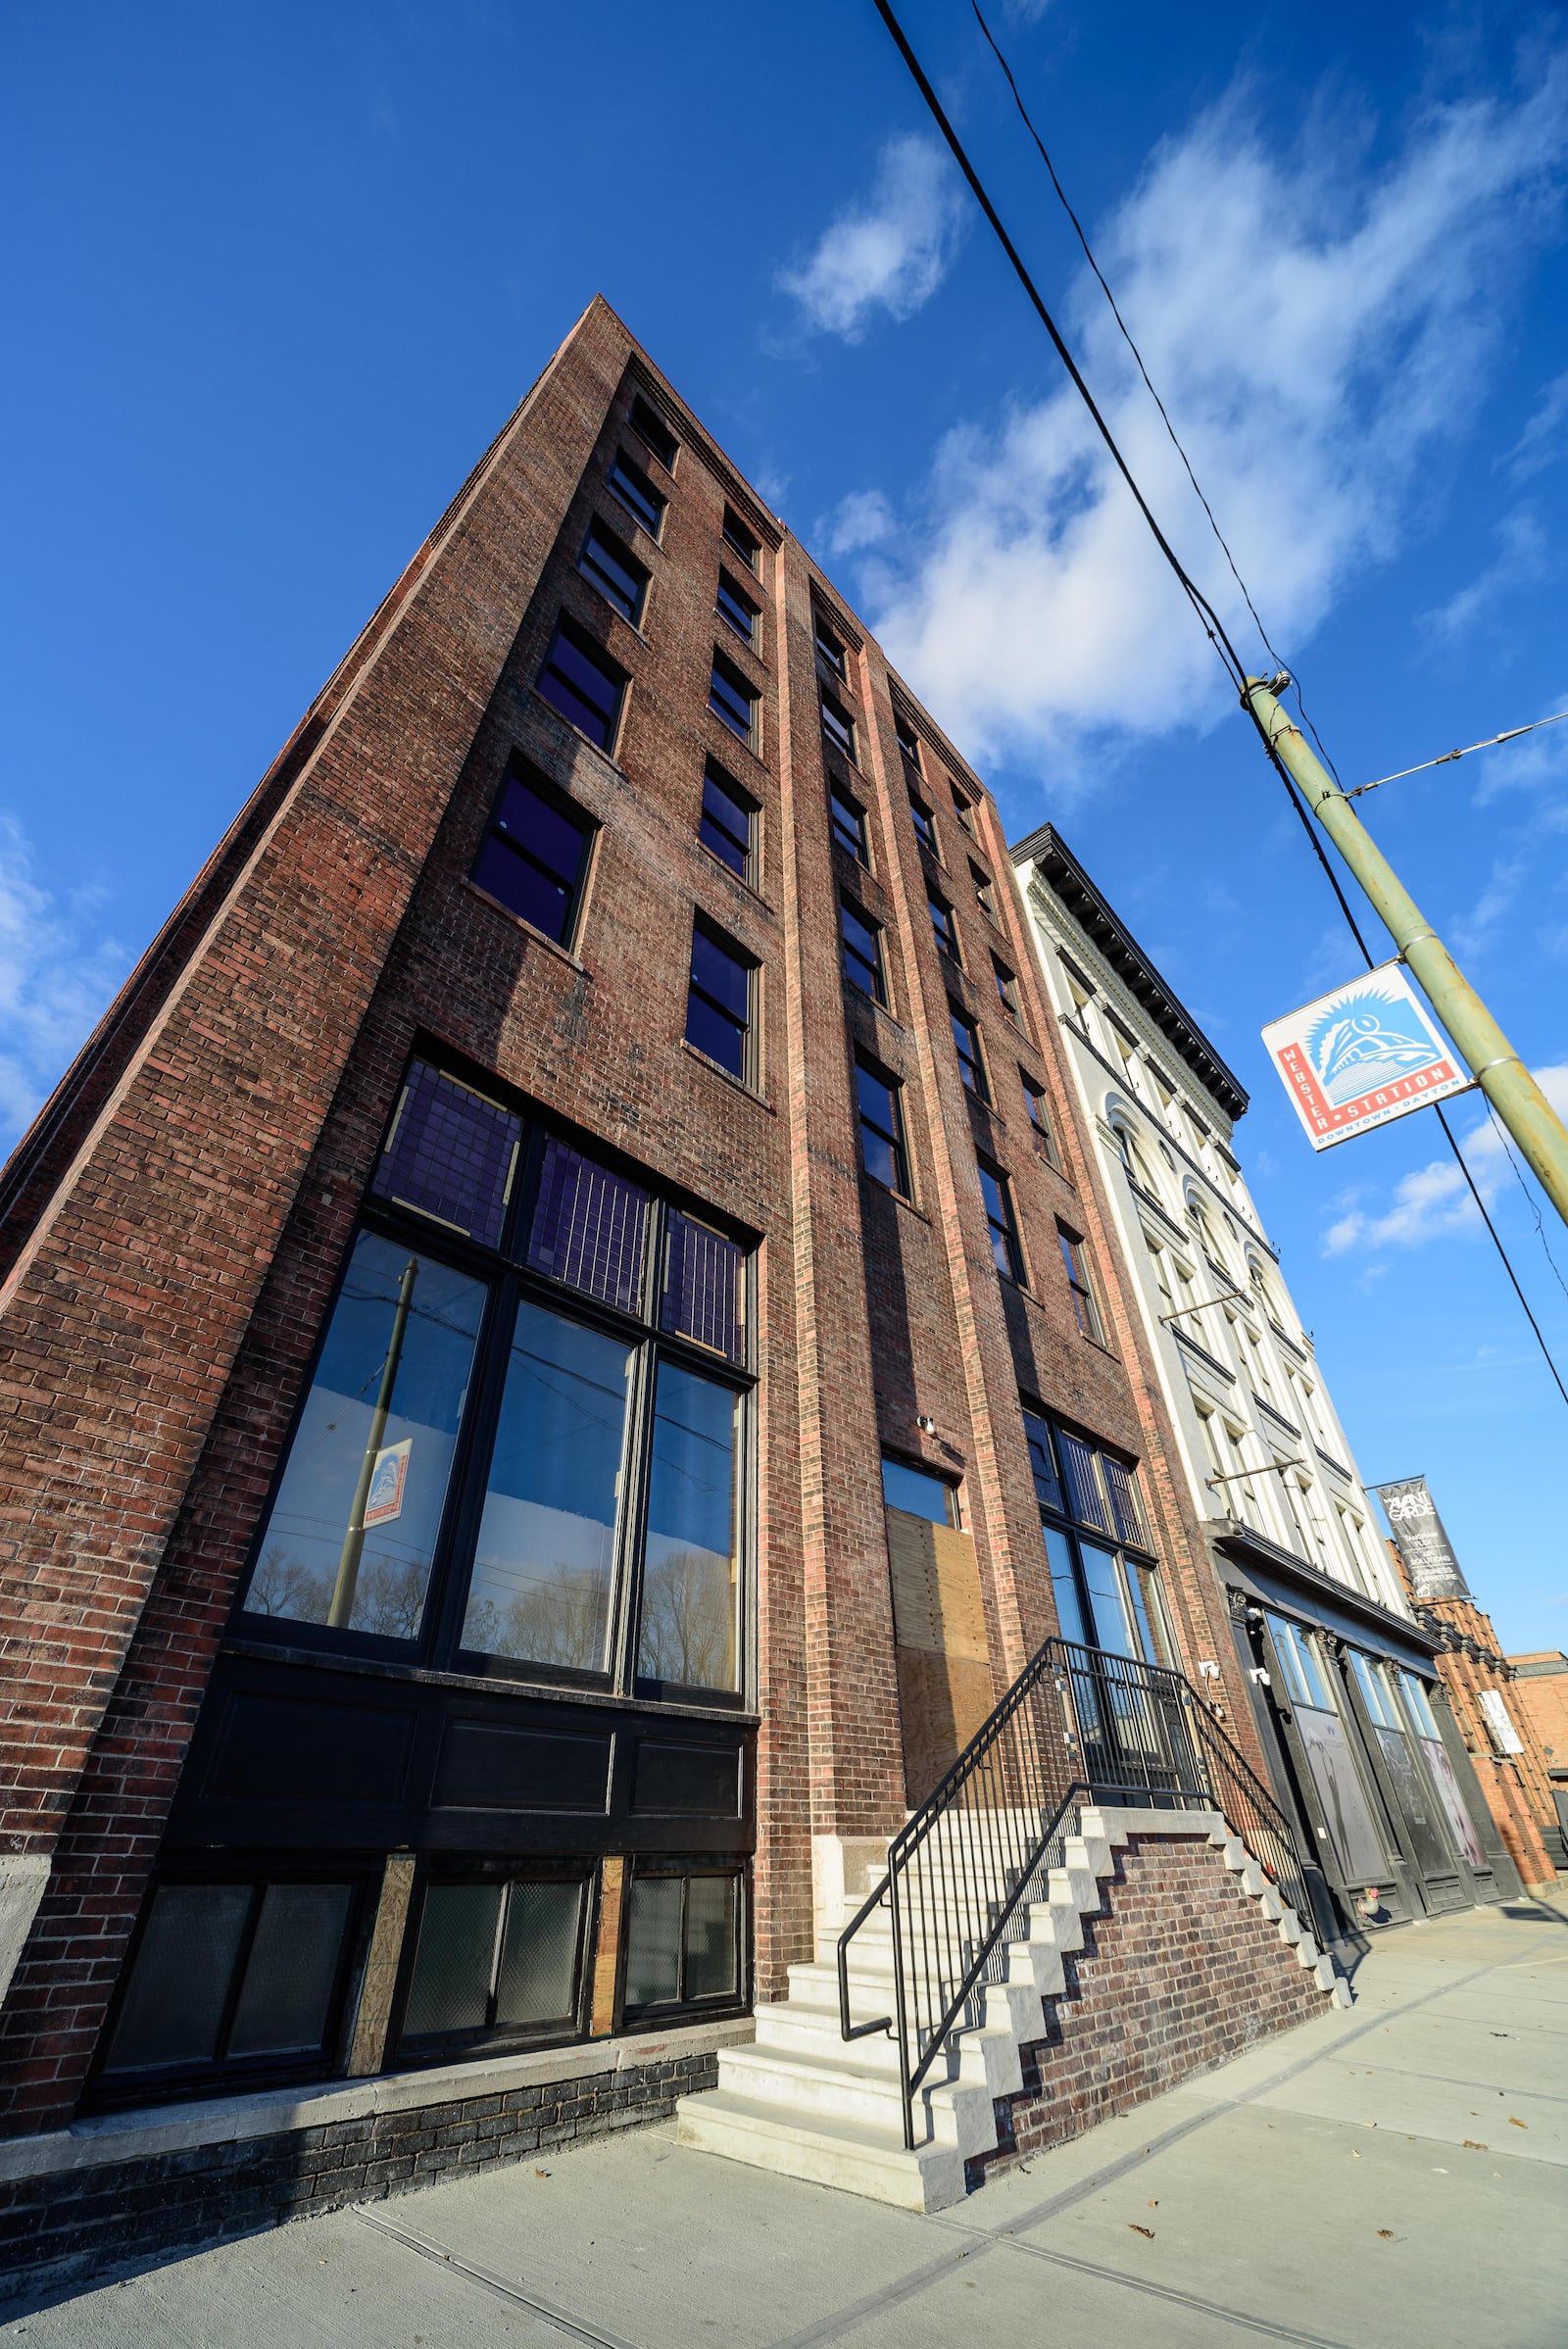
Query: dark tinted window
[[728, 820], [863, 952], [829, 645], [653, 433], [738, 608], [682, 1939], [534, 856], [731, 698], [909, 740], [742, 541], [583, 685], [838, 726], [1006, 988], [963, 810], [1039, 1122], [943, 924], [966, 1037], [882, 1151], [689, 1635], [450, 1152], [849, 824], [611, 566], [924, 829], [705, 1286], [1075, 1258], [718, 1002], [637, 493], [984, 896], [495, 1957], [998, 1194]]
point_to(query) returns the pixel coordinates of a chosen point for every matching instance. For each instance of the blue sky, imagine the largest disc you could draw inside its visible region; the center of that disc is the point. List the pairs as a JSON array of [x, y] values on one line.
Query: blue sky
[[276, 275]]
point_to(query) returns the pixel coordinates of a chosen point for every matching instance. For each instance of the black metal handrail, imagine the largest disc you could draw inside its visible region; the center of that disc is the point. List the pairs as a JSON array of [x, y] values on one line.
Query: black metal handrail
[[1079, 1724]]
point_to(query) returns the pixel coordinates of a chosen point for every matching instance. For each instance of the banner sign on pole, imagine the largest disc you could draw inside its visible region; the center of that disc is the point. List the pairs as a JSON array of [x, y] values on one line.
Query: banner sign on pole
[[1425, 1547], [1369, 1051]]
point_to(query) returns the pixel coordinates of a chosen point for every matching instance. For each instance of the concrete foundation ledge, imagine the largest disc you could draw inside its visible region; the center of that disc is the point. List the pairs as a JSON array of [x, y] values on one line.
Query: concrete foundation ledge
[[132, 2136]]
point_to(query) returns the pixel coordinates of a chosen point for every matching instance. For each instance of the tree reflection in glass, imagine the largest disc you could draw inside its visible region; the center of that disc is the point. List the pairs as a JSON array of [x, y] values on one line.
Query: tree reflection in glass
[[690, 1577], [545, 1564], [353, 1530]]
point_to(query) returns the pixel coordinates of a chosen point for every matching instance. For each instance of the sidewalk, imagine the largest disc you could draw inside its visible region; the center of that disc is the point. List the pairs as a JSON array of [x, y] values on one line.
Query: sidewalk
[[1393, 2174]]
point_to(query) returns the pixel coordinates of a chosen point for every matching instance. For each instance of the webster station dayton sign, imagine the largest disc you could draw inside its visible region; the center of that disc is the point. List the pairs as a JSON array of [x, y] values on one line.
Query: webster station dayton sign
[[1364, 1055]]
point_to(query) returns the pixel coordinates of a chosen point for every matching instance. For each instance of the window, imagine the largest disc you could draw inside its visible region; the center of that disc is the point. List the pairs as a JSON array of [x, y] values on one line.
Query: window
[[882, 1151], [1126, 1051], [861, 941], [237, 1978], [849, 824], [738, 608], [637, 493], [654, 434], [741, 541], [917, 1492], [924, 827], [1232, 1489], [909, 740], [535, 854], [584, 684], [683, 1945], [838, 726], [1039, 1123], [997, 1192], [984, 894], [1098, 1545], [971, 1067], [941, 923], [499, 1958], [561, 1541], [609, 565], [1376, 1694], [728, 821], [1075, 1256], [1156, 1259], [1305, 1677], [1006, 991], [829, 644], [1127, 1151], [963, 810], [733, 699], [1079, 994], [718, 1002]]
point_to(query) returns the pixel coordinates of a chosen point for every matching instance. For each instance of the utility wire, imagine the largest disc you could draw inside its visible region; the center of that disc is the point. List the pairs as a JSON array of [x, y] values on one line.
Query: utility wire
[[1448, 757], [1210, 620]]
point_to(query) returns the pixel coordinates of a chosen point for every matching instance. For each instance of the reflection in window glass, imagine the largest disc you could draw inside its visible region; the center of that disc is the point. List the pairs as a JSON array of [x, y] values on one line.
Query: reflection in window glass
[[918, 1494], [1112, 1629], [450, 1153], [691, 1565], [705, 1286], [545, 1562], [588, 1227], [1037, 1435], [353, 1530], [1065, 1587]]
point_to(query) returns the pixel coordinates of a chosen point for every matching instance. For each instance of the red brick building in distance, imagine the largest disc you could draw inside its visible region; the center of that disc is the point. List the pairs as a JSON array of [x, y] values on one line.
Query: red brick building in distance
[[537, 1337]]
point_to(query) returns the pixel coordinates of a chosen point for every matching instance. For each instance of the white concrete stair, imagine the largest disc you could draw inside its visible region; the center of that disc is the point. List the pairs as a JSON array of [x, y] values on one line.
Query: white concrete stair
[[804, 2101]]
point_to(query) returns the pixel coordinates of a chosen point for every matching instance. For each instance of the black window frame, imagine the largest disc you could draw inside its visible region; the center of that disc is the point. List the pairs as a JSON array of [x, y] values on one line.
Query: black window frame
[[971, 1059], [704, 926], [850, 831], [963, 810], [1080, 1274], [1007, 990], [1039, 1126], [830, 647], [728, 672], [588, 649], [654, 433], [686, 1867], [603, 582], [943, 927], [908, 738], [751, 612], [985, 890], [897, 1138], [523, 771], [742, 541], [850, 956], [924, 822], [1002, 1221], [510, 1282], [642, 499], [838, 726], [434, 1871], [1138, 1564], [725, 787]]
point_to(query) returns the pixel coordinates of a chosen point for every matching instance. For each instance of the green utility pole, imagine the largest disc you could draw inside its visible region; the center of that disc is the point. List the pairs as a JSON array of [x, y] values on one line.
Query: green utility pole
[[1486, 1050]]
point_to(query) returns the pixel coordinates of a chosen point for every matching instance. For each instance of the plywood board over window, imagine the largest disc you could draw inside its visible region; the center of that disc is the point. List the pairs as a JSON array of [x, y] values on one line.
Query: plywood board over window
[[945, 1690]]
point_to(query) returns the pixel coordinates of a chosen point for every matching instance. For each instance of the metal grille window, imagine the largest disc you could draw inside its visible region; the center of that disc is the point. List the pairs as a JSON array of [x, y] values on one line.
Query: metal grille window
[[705, 1286], [637, 493], [718, 1002], [829, 645], [534, 857], [882, 1147], [966, 1041], [1098, 1545], [609, 565], [450, 1153], [683, 1939], [849, 824], [733, 700], [1039, 1122], [945, 929], [861, 941], [654, 434], [838, 726], [588, 1227], [736, 606], [583, 684], [728, 821], [1075, 1259], [1005, 1250], [909, 740], [497, 1959]]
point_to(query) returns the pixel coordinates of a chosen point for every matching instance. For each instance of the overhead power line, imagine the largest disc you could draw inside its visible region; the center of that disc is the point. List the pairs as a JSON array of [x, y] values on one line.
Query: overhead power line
[[1448, 757], [1211, 621]]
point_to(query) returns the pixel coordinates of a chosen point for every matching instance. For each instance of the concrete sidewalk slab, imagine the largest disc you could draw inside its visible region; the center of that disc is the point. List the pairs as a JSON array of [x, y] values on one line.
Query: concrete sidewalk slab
[[1255, 2203]]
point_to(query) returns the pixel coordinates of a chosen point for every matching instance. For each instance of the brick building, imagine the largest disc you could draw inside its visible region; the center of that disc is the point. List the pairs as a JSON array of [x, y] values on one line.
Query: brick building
[[540, 1334], [1540, 1692]]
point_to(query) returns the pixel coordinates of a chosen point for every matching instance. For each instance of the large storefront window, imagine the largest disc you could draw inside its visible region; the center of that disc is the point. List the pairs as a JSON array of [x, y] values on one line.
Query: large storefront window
[[1103, 1570], [525, 1437]]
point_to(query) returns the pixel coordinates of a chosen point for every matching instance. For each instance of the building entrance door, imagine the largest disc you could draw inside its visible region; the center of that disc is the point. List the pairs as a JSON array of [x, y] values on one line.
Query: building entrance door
[[938, 1627]]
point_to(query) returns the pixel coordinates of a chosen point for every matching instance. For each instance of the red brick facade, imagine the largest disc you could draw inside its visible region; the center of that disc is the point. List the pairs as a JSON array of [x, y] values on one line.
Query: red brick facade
[[173, 1226]]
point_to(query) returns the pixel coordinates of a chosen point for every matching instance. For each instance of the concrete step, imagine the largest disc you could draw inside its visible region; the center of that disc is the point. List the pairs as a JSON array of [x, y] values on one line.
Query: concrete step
[[836, 2088], [869, 2161]]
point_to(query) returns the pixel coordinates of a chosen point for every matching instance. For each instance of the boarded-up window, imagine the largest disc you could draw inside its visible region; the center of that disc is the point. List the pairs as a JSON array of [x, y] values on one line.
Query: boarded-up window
[[939, 1628]]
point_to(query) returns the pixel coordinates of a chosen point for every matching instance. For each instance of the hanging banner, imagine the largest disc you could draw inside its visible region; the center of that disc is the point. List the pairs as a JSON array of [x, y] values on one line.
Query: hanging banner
[[1364, 1055], [1425, 1547]]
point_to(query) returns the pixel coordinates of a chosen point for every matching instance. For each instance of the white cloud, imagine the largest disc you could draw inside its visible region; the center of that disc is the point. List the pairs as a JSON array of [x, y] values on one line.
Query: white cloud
[[1522, 561], [1315, 327], [864, 519], [1436, 1200], [1542, 440], [889, 253], [57, 972]]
